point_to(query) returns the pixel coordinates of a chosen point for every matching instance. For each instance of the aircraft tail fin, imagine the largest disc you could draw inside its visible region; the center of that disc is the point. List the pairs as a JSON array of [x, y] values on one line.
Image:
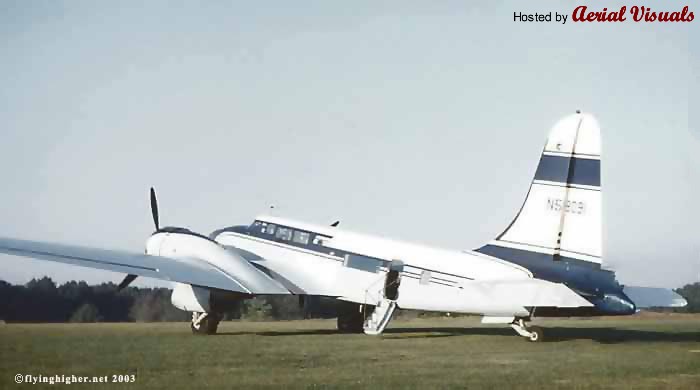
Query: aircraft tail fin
[[561, 218]]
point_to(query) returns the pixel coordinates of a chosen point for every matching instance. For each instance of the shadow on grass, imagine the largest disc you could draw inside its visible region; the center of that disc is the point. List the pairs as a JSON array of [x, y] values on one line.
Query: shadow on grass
[[551, 334], [305, 332], [558, 334]]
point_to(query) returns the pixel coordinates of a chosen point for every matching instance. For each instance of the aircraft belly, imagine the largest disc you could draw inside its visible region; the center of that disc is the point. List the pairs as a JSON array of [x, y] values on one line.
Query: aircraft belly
[[413, 296], [493, 298]]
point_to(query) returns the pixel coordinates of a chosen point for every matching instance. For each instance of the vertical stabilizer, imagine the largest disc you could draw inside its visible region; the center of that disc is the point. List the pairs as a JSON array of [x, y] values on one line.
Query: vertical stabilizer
[[561, 218]]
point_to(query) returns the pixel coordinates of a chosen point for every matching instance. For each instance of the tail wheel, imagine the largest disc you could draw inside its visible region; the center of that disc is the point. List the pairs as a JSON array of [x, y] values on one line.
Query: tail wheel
[[536, 334]]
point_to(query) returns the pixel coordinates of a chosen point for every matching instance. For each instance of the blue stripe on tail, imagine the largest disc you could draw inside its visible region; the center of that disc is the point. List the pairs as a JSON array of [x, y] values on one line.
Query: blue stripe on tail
[[556, 168]]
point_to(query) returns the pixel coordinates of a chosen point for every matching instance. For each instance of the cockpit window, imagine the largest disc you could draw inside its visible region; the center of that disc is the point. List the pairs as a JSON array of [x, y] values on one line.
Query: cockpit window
[[301, 237], [284, 233]]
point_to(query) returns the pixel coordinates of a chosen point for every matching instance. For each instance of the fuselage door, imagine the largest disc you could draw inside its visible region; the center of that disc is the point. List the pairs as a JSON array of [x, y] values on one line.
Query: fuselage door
[[393, 280]]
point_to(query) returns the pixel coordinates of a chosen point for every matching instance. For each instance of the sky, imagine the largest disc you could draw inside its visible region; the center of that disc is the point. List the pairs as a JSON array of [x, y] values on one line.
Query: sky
[[421, 121]]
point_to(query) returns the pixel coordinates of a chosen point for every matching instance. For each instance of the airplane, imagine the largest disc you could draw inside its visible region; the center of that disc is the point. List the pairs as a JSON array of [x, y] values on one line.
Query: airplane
[[546, 263]]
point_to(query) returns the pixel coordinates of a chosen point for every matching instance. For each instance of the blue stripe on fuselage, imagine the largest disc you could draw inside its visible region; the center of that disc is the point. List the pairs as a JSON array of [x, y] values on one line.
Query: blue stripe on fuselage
[[556, 169], [588, 279]]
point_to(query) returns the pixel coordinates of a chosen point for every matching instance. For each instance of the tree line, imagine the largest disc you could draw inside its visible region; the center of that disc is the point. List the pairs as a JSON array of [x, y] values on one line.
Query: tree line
[[42, 300]]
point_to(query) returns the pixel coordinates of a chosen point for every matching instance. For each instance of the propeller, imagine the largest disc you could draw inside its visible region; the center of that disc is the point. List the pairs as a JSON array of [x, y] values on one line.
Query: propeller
[[156, 221], [127, 280], [154, 208]]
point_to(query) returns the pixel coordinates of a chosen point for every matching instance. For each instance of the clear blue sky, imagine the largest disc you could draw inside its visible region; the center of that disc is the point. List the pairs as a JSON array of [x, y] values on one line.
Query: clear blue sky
[[417, 120]]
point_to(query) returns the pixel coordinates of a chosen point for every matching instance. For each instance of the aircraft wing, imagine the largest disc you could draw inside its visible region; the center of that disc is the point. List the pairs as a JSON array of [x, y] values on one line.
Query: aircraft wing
[[191, 270]]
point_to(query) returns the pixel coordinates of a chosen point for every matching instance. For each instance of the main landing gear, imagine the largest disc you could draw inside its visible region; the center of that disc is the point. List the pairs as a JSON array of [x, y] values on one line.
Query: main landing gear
[[205, 323], [533, 333], [351, 318]]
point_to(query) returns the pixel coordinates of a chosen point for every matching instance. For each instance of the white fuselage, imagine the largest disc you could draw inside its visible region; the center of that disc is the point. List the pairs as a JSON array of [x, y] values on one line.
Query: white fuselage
[[353, 267]]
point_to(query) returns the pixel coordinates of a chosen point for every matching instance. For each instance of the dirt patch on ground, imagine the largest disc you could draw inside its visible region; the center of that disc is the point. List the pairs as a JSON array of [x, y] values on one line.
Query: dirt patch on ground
[[508, 362]]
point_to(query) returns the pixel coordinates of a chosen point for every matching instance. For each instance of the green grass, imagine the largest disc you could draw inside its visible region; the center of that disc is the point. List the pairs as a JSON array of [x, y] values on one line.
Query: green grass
[[657, 352]]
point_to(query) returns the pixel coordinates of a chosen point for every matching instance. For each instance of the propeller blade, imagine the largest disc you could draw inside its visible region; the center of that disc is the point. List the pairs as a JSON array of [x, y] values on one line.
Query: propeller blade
[[154, 208], [127, 280]]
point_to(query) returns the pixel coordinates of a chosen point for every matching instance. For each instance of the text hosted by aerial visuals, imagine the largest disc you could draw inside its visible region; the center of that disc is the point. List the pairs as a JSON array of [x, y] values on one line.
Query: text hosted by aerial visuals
[[654, 11]]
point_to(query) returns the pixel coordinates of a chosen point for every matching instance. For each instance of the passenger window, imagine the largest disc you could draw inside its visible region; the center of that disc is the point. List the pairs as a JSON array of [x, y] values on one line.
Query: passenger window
[[362, 263], [301, 237], [270, 229], [284, 234]]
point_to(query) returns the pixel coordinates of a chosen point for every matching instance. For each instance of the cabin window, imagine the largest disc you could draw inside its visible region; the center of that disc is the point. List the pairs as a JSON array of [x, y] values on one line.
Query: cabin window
[[284, 233], [270, 229], [301, 237], [362, 263]]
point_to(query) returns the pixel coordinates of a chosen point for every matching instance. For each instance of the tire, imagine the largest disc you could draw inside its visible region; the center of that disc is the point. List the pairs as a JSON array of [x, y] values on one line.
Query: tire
[[202, 328], [207, 326], [212, 325], [536, 334], [351, 320]]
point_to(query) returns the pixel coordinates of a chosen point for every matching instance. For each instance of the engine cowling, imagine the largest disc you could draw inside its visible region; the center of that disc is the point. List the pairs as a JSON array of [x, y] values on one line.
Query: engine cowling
[[204, 300], [179, 243]]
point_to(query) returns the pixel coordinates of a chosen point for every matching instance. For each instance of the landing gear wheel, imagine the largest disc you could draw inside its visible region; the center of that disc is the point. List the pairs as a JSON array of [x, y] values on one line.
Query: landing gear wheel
[[536, 334], [202, 328], [206, 326], [533, 334], [351, 320]]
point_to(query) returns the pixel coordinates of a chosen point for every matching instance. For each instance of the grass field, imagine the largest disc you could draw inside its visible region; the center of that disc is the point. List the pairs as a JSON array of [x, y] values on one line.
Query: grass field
[[649, 352]]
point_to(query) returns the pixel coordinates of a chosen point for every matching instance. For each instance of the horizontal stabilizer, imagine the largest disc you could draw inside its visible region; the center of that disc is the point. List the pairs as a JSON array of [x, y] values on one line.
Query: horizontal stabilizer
[[644, 297], [497, 320]]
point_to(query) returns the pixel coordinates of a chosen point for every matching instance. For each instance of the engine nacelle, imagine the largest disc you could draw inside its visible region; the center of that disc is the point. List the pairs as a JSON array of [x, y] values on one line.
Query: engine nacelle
[[181, 244], [191, 298], [204, 300]]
